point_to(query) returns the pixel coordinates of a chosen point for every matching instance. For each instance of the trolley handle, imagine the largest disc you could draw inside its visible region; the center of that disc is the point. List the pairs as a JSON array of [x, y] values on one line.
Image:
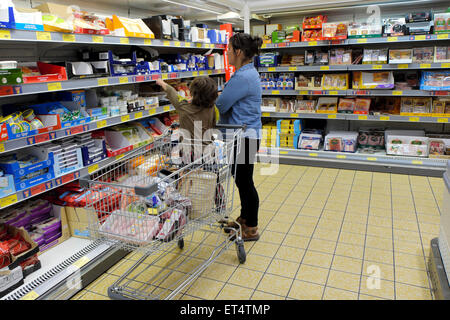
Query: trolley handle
[[231, 126], [147, 190]]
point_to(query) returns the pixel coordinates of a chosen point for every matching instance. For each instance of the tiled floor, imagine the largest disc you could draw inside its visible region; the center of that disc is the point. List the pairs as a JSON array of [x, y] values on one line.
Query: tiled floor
[[325, 234]]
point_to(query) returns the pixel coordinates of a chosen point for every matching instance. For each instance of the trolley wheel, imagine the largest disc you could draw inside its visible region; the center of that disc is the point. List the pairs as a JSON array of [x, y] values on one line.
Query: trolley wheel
[[181, 243], [242, 256]]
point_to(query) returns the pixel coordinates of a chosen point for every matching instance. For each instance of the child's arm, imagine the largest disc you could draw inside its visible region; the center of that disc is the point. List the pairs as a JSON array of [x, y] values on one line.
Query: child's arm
[[172, 94]]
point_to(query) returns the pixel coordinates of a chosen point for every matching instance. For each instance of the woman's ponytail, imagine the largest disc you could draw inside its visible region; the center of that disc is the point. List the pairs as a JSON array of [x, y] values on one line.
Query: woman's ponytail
[[249, 45]]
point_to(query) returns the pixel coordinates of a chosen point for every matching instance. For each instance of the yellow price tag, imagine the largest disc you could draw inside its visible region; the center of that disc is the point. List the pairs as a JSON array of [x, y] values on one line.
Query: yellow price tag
[[414, 119], [420, 37], [445, 65], [101, 124], [292, 68], [103, 81], [377, 66], [177, 44], [312, 43], [97, 39], [362, 117], [325, 68], [333, 93], [152, 111], [271, 69], [68, 38], [442, 120], [32, 295], [81, 262], [283, 152], [303, 93], [417, 162], [425, 66], [120, 156], [125, 118], [209, 72], [5, 34], [371, 159], [202, 72], [397, 93], [199, 45], [166, 43], [442, 36], [147, 42], [2, 147], [294, 115], [264, 46], [166, 108], [331, 116], [265, 114], [123, 80], [361, 41], [188, 44], [124, 41], [7, 201], [275, 91], [43, 36], [165, 76], [392, 39], [341, 156], [384, 118], [313, 154], [138, 115], [54, 86], [403, 66], [93, 168], [194, 73]]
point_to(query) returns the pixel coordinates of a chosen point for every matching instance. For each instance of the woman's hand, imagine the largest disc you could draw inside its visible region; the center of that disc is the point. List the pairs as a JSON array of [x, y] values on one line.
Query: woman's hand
[[161, 83]]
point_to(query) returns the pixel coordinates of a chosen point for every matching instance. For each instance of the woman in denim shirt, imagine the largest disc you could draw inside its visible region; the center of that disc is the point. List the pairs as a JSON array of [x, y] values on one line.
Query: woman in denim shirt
[[240, 103]]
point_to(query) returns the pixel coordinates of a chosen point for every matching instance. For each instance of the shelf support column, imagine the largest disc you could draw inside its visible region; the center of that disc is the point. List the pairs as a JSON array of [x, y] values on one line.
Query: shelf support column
[[246, 14]]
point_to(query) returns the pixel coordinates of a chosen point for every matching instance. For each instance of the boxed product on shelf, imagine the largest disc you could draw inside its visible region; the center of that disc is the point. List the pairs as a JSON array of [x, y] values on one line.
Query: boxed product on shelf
[[30, 168], [125, 137], [270, 104], [310, 139], [197, 34], [308, 82], [10, 76], [305, 106], [375, 56], [407, 143], [287, 105], [285, 81], [76, 96], [327, 105], [268, 59], [127, 27], [373, 80], [442, 22], [88, 23], [28, 19], [441, 106], [364, 30], [439, 146], [122, 66], [56, 17], [334, 30], [292, 60], [316, 57], [6, 184], [87, 69], [67, 112], [410, 105], [36, 72], [340, 56], [400, 56], [423, 55], [292, 33], [370, 140], [346, 105], [92, 150], [341, 141], [335, 81], [442, 54], [362, 105], [312, 35], [435, 80], [67, 156], [7, 14], [278, 36], [314, 22], [394, 27], [386, 105]]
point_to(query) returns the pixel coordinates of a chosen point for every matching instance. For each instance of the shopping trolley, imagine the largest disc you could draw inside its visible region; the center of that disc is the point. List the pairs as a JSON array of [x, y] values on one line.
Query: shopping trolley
[[169, 205]]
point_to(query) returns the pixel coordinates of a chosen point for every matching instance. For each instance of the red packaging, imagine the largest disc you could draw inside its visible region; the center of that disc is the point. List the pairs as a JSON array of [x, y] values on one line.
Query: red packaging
[[29, 262], [5, 257], [21, 247], [3, 232]]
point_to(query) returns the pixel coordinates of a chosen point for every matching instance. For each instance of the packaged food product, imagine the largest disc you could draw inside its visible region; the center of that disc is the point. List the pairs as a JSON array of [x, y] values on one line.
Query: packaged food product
[[362, 105], [335, 81], [400, 55], [346, 105], [335, 30], [423, 55], [327, 104]]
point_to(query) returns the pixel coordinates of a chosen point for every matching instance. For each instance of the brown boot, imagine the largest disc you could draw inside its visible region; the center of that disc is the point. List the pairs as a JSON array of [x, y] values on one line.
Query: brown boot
[[250, 233], [233, 225]]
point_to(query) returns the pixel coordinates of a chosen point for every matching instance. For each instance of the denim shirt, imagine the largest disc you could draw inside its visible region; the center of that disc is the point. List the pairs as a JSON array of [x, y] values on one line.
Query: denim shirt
[[240, 101]]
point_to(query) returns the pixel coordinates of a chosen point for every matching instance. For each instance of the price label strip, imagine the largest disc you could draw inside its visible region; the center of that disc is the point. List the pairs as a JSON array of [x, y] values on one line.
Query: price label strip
[[93, 168], [68, 38], [54, 86], [43, 36], [7, 201], [5, 34]]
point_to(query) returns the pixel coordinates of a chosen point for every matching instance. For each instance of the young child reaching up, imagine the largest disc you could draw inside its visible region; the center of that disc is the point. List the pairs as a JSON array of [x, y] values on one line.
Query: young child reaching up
[[201, 108]]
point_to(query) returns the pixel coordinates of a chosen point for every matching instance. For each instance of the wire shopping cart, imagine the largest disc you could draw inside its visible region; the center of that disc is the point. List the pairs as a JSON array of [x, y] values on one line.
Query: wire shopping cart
[[168, 207]]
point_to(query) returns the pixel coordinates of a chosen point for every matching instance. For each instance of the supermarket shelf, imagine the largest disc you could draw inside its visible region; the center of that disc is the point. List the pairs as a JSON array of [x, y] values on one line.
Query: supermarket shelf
[[418, 38], [381, 93], [358, 67], [15, 144], [76, 84], [76, 38], [425, 166], [28, 193], [360, 117], [67, 268]]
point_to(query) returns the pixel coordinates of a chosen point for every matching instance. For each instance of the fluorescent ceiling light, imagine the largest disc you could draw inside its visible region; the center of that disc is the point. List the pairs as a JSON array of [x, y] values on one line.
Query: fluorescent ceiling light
[[193, 7], [229, 15]]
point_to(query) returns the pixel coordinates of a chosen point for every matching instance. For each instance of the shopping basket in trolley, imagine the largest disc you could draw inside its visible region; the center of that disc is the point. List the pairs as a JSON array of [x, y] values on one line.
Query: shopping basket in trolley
[[169, 208]]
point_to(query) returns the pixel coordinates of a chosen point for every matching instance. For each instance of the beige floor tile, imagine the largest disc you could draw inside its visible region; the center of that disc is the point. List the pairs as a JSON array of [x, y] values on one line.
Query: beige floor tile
[[326, 234], [306, 220], [337, 206], [312, 274], [410, 261], [409, 247], [407, 292], [290, 254], [301, 230], [349, 250], [219, 271], [205, 288], [283, 268], [338, 294], [317, 259], [232, 292], [302, 290], [265, 249], [377, 287], [278, 226], [272, 236], [347, 264], [406, 235], [246, 278], [412, 276], [260, 295], [310, 211], [296, 241], [355, 218], [289, 209], [333, 215], [357, 210], [275, 284], [379, 255], [321, 245], [367, 297], [256, 262], [426, 218], [102, 284], [381, 232], [352, 238], [328, 223], [429, 228], [379, 243], [354, 227], [93, 296], [343, 280], [378, 270], [284, 217]]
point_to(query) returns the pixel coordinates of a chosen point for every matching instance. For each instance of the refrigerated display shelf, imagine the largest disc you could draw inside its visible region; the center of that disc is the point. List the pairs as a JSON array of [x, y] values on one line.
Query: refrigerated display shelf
[[380, 93], [11, 145], [414, 39], [78, 38], [77, 84], [361, 117]]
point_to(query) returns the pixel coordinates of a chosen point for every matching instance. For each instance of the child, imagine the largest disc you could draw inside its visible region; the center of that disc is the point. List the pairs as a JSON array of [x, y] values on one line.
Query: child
[[201, 108]]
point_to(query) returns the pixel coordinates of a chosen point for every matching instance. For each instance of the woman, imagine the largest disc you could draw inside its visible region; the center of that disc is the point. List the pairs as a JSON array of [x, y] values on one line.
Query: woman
[[240, 103]]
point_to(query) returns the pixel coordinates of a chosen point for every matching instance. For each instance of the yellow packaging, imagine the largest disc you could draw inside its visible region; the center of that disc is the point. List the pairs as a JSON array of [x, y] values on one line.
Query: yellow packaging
[[126, 27]]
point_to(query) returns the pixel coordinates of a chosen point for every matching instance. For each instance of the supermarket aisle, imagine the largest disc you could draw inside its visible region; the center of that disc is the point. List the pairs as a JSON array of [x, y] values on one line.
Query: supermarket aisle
[[324, 232]]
